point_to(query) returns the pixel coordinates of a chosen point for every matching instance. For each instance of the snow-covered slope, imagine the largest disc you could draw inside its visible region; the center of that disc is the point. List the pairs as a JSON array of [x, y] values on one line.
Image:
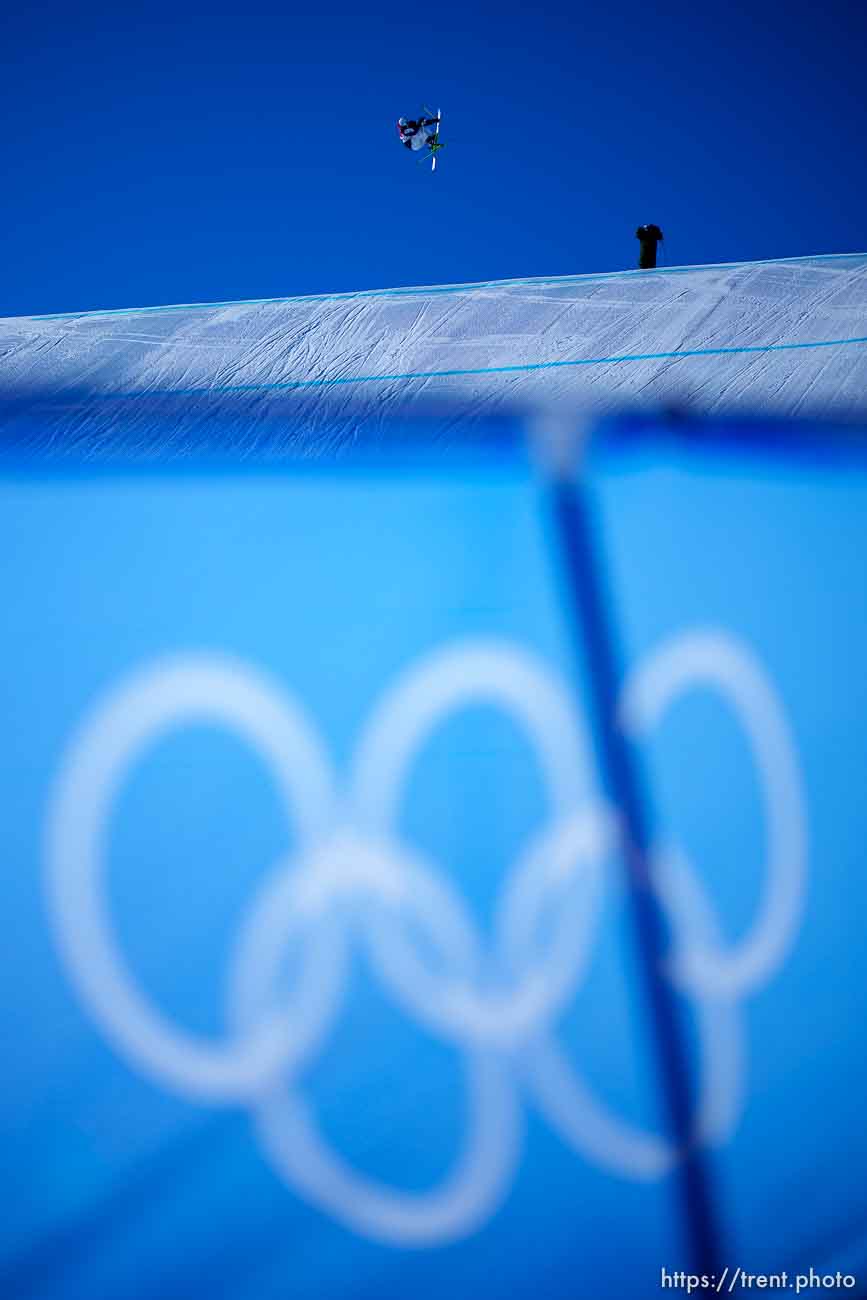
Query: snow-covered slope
[[787, 337]]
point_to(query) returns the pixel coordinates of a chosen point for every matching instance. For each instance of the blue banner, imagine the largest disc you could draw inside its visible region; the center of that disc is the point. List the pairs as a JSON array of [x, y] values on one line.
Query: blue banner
[[319, 974]]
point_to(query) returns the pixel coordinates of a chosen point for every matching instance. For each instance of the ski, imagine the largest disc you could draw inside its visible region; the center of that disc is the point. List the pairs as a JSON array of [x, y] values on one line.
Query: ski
[[434, 145], [431, 149]]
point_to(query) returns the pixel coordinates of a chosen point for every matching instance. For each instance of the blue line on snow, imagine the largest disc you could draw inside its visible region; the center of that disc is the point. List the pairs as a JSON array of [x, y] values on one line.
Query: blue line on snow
[[290, 384]]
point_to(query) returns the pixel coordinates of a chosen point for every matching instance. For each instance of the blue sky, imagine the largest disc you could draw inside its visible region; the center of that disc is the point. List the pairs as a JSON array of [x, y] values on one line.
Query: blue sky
[[192, 152]]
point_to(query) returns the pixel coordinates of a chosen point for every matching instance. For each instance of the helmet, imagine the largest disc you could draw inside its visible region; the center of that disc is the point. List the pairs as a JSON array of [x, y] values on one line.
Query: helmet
[[401, 121]]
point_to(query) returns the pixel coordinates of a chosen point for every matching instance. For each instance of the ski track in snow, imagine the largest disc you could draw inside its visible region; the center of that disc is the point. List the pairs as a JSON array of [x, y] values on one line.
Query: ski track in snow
[[783, 338]]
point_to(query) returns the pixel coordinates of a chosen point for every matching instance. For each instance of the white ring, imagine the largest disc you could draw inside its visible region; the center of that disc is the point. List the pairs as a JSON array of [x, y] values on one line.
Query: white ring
[[452, 679], [587, 1124], [561, 866], [348, 870], [349, 876], [462, 1203], [443, 683], [204, 688], [714, 659]]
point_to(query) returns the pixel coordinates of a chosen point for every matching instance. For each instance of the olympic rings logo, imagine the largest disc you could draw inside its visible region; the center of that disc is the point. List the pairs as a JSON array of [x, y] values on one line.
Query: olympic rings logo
[[350, 880]]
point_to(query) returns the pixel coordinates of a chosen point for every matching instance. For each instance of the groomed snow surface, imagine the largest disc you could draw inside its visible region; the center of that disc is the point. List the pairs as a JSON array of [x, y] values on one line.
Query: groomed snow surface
[[786, 337]]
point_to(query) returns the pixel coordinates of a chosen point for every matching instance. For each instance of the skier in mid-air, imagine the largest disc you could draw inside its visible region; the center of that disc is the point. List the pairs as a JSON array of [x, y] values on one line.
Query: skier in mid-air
[[416, 133]]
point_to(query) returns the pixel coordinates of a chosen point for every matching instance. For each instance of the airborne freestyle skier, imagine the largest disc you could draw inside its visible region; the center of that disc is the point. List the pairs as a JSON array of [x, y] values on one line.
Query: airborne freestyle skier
[[415, 133], [421, 132]]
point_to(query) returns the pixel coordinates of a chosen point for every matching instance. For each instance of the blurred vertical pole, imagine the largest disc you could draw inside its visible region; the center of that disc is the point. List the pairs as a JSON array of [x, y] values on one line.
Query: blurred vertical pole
[[592, 625]]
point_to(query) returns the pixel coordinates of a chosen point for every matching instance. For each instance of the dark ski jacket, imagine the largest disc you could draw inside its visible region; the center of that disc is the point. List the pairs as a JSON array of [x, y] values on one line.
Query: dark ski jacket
[[411, 128]]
